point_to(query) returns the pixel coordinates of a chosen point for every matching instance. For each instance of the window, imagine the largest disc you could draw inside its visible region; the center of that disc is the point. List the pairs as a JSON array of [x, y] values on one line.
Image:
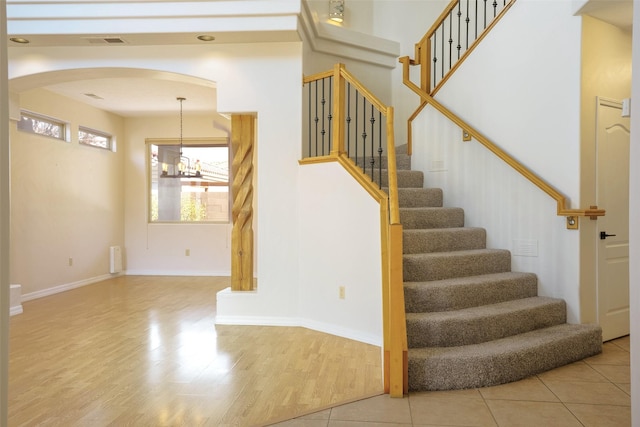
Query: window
[[94, 138], [189, 183], [42, 125]]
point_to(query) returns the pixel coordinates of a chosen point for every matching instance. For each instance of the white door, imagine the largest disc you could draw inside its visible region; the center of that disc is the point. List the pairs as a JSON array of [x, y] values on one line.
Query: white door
[[612, 193]]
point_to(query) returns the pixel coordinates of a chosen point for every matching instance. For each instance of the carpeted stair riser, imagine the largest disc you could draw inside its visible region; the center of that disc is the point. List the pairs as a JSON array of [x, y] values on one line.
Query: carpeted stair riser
[[412, 218], [406, 179], [443, 240], [476, 325], [419, 197], [501, 361], [464, 292], [445, 265]]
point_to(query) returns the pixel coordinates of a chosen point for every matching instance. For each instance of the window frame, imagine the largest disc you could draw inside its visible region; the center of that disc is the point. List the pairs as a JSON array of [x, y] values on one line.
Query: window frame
[[110, 139], [186, 142], [65, 132]]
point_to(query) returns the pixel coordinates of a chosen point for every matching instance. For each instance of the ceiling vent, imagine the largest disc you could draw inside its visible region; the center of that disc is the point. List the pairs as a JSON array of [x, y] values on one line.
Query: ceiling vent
[[93, 95], [105, 40]]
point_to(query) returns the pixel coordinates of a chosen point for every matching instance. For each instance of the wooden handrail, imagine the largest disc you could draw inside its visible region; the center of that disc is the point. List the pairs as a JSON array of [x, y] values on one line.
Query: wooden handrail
[[394, 322], [438, 22], [560, 199]]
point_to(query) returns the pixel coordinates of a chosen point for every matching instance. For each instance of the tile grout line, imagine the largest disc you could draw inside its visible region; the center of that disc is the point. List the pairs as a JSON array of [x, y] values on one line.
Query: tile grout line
[[484, 400]]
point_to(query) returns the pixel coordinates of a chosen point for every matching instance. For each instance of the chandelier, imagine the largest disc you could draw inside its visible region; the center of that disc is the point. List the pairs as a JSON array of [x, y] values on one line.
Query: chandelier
[[181, 165]]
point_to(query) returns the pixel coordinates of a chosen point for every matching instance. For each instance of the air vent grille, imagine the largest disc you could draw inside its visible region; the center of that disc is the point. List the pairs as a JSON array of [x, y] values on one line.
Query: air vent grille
[[105, 40]]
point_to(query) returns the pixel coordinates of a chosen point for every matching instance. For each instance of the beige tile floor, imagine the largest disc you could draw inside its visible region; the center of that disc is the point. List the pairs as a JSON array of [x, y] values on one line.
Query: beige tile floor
[[594, 392]]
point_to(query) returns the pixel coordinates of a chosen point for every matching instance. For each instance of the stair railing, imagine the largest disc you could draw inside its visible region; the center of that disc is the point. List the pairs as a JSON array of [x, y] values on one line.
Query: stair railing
[[572, 215], [463, 22], [348, 124], [479, 18]]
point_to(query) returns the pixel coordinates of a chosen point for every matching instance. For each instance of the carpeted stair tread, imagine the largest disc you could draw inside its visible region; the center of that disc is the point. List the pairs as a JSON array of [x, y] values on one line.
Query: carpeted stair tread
[[501, 361], [412, 218], [463, 292], [443, 239], [445, 265], [418, 197], [484, 323]]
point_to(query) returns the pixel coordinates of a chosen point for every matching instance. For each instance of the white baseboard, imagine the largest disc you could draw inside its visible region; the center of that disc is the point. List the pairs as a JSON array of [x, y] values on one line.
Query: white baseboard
[[256, 321], [343, 332], [304, 323], [129, 272], [65, 287], [15, 299]]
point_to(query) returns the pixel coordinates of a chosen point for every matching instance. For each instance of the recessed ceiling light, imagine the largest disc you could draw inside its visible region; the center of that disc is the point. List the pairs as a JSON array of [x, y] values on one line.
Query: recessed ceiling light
[[206, 38], [19, 40]]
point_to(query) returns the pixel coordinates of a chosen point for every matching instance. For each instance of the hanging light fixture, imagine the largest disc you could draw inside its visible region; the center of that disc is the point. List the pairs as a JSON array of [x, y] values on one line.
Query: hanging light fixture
[[182, 164], [336, 10]]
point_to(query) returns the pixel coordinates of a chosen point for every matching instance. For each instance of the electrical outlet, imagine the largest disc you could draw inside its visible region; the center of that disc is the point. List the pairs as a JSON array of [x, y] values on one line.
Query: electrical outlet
[[70, 261], [341, 292], [187, 252]]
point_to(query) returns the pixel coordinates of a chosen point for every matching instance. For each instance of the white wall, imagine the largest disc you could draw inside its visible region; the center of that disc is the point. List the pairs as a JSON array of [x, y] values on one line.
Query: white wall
[[159, 249], [358, 14], [66, 198], [405, 21], [4, 220], [533, 56], [339, 246], [634, 226], [368, 57]]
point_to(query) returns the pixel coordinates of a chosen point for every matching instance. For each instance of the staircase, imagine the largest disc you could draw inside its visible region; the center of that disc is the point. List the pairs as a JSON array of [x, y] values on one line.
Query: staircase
[[471, 321]]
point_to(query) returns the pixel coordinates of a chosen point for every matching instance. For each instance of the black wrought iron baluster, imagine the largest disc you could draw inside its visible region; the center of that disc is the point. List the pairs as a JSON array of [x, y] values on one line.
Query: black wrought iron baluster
[[364, 134], [485, 14], [450, 37], [435, 57], [380, 150], [330, 116], [355, 132], [476, 20], [348, 119], [309, 118], [323, 132], [316, 119], [442, 53], [467, 19], [372, 161], [459, 26], [495, 5]]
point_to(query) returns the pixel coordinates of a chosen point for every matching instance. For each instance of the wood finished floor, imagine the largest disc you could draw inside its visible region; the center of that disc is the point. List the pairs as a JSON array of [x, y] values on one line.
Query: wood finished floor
[[144, 351]]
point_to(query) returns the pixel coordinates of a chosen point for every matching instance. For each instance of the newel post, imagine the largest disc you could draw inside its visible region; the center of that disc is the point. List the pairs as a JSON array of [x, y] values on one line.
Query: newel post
[[242, 142], [424, 51], [338, 111]]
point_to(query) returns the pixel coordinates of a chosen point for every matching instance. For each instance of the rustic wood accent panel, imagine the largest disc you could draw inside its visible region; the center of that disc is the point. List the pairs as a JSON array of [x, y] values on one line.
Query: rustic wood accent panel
[[242, 142]]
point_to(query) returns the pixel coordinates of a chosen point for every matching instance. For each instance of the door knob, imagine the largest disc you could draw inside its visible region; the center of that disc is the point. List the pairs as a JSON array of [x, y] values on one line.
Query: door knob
[[604, 235]]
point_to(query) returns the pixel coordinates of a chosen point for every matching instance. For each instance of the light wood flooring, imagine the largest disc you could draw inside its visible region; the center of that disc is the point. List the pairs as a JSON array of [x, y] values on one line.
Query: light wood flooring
[[144, 351]]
